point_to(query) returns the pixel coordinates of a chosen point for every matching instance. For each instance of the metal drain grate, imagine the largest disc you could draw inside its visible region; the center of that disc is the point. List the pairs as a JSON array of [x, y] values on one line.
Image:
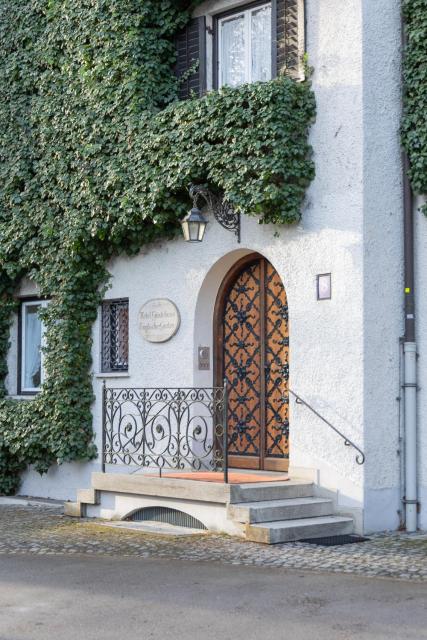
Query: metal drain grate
[[332, 541], [167, 515]]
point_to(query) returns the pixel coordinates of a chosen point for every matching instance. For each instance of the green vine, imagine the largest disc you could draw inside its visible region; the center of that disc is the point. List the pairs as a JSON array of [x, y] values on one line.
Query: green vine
[[96, 158], [414, 124]]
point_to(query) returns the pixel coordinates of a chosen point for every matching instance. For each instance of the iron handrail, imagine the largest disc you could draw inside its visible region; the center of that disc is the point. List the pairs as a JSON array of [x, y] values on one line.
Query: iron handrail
[[360, 458]]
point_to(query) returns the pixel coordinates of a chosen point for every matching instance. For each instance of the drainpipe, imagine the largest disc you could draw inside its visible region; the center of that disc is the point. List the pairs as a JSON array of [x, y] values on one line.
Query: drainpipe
[[409, 348], [409, 359]]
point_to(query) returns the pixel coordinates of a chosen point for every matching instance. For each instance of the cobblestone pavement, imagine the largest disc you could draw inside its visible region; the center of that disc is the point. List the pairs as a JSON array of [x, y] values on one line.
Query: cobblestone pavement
[[44, 530]]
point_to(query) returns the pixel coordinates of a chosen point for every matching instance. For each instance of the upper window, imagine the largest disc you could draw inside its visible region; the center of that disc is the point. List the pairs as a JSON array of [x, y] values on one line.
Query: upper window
[[115, 335], [256, 41], [32, 340], [244, 46]]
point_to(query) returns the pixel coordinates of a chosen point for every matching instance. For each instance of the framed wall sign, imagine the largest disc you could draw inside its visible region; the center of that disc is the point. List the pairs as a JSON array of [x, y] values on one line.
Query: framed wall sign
[[324, 286]]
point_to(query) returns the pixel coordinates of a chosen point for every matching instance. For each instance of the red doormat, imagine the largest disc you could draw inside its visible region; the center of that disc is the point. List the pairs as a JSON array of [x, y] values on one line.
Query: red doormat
[[234, 477]]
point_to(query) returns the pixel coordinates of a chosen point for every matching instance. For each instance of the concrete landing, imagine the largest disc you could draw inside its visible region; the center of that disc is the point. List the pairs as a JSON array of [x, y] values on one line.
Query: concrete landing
[[234, 477]]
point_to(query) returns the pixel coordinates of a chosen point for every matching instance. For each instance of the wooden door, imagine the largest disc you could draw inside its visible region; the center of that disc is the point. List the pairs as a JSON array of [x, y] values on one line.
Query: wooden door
[[252, 354]]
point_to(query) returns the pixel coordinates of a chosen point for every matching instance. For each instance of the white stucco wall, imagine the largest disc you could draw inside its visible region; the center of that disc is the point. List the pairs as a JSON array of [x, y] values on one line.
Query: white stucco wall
[[343, 352], [383, 260]]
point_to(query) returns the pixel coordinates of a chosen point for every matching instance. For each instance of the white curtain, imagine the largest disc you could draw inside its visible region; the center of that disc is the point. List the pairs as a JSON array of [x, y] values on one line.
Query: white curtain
[[233, 51], [261, 44], [32, 355]]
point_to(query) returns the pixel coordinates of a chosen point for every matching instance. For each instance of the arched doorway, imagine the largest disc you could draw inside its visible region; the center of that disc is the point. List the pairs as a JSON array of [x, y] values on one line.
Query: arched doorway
[[251, 345]]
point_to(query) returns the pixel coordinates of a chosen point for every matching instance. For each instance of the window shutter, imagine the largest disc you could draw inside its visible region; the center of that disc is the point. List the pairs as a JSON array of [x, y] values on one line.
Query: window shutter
[[190, 49], [288, 37]]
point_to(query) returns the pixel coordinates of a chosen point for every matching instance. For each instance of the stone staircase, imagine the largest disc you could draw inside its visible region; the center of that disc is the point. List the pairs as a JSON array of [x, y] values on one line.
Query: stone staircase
[[286, 512], [266, 512]]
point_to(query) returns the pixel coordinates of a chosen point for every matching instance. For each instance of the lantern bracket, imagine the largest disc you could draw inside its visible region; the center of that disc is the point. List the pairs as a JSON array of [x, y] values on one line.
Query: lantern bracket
[[222, 210]]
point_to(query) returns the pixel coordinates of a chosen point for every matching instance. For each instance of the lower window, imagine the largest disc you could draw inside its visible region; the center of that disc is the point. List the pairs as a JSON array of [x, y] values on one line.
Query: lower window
[[31, 372]]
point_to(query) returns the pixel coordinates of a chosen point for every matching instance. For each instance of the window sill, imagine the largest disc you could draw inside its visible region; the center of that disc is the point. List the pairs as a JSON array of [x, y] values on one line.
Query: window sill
[[113, 374], [27, 396]]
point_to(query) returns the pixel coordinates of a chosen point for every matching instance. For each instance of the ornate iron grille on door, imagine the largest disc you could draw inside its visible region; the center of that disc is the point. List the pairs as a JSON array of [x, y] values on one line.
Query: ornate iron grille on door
[[253, 345]]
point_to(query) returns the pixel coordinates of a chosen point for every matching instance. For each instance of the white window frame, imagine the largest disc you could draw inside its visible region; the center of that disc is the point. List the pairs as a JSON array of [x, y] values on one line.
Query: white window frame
[[24, 305], [246, 13]]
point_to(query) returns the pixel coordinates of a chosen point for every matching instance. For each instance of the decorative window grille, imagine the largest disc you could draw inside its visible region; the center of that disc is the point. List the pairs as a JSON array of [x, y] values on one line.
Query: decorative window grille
[[115, 335]]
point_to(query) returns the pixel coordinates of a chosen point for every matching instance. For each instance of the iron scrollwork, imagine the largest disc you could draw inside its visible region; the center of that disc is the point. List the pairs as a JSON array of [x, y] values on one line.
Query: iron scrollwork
[[165, 428], [222, 210]]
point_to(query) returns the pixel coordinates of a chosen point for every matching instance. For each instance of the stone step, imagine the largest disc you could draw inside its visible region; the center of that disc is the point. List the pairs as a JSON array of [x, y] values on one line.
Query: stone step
[[87, 496], [263, 491], [271, 510], [291, 530], [73, 509]]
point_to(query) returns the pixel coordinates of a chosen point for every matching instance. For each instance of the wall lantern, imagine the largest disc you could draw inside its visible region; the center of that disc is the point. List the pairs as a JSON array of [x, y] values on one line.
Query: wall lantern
[[194, 223]]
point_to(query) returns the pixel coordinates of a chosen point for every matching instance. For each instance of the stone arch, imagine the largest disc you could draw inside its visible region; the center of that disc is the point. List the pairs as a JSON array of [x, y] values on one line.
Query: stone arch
[[204, 312], [267, 368], [166, 515]]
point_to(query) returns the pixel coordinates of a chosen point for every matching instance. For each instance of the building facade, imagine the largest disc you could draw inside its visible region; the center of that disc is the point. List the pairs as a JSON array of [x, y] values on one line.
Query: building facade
[[322, 297]]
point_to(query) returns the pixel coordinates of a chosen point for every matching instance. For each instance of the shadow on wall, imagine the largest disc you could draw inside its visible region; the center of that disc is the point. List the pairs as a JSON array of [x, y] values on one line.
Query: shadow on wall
[[203, 320]]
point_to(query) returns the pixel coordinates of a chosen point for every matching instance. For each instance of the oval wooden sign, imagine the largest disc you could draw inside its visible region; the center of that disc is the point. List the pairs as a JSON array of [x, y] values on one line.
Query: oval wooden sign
[[159, 320]]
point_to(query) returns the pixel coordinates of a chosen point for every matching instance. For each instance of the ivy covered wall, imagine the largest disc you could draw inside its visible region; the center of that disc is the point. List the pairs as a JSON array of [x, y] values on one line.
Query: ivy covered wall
[[414, 124], [96, 156]]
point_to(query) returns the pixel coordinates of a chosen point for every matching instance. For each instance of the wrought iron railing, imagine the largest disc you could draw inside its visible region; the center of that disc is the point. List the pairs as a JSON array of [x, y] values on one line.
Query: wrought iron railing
[[360, 457], [166, 428]]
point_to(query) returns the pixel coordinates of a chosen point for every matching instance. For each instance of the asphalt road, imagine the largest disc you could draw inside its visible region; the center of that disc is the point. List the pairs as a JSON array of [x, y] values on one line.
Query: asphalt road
[[88, 598]]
